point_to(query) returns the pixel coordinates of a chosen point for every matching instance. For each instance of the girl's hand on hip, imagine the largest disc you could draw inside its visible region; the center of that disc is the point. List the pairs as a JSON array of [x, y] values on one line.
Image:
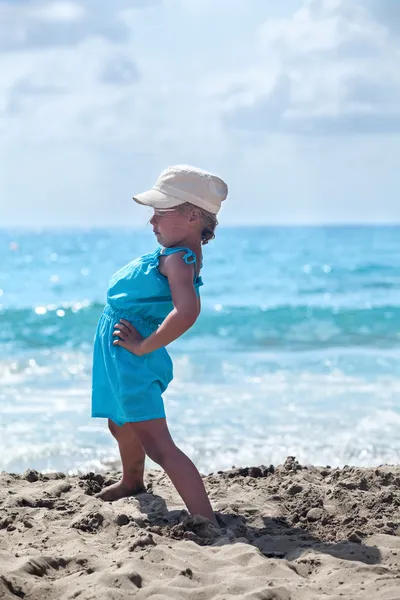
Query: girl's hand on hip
[[127, 337]]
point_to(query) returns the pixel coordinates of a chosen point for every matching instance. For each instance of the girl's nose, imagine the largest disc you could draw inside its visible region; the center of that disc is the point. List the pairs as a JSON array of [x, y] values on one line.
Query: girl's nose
[[153, 219]]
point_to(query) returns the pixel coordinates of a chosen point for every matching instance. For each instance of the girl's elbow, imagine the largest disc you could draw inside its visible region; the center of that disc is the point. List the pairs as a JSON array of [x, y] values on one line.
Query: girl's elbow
[[188, 317]]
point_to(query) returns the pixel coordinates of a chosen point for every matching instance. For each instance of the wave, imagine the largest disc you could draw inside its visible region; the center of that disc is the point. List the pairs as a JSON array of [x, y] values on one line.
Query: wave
[[305, 327], [71, 325], [288, 327]]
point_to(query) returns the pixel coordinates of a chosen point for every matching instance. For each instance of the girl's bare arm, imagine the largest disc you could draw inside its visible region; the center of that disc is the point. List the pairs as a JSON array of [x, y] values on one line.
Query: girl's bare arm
[[180, 319]]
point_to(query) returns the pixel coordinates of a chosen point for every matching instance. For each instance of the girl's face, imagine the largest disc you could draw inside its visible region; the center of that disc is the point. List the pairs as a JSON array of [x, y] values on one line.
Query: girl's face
[[171, 226]]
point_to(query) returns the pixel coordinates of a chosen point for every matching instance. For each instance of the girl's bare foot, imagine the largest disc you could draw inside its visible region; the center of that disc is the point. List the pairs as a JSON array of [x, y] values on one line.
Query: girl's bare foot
[[119, 490]]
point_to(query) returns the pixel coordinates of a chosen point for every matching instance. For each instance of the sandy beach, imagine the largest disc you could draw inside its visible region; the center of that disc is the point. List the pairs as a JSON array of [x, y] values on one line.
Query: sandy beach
[[287, 533]]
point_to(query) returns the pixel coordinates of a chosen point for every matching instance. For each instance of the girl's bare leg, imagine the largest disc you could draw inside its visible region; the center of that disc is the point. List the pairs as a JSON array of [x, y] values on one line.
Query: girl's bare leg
[[132, 457], [157, 443]]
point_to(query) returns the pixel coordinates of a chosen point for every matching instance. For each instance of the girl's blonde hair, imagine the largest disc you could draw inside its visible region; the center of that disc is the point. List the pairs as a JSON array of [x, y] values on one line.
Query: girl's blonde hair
[[210, 221]]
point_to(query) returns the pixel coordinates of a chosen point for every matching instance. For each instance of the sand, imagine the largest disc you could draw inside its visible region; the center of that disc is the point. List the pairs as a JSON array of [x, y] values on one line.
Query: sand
[[287, 533]]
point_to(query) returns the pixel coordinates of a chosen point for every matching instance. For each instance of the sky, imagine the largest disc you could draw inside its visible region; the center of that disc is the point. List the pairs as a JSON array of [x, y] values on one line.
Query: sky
[[295, 103]]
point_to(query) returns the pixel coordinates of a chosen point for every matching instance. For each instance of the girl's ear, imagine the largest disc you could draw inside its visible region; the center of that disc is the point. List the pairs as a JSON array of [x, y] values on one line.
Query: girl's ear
[[194, 216]]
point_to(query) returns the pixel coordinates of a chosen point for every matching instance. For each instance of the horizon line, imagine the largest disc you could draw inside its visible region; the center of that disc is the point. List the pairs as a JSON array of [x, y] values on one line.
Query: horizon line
[[335, 225], [348, 225]]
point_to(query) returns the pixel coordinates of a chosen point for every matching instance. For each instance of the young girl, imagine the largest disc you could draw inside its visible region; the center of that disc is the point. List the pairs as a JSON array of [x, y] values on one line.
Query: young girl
[[150, 303]]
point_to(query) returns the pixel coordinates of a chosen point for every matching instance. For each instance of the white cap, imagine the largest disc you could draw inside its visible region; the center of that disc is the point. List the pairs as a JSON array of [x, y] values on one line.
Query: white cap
[[180, 184]]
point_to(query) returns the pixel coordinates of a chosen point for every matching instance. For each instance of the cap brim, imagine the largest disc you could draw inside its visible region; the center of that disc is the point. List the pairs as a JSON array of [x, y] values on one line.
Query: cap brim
[[157, 199]]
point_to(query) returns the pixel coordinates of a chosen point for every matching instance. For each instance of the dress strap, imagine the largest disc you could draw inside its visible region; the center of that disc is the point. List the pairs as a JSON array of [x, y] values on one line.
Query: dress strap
[[189, 258]]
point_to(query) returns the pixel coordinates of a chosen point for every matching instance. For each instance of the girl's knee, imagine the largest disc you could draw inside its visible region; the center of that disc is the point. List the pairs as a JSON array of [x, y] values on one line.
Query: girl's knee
[[155, 440], [158, 453]]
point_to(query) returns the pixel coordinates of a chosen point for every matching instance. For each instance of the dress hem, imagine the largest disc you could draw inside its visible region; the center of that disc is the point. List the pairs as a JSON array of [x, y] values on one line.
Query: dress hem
[[120, 422]]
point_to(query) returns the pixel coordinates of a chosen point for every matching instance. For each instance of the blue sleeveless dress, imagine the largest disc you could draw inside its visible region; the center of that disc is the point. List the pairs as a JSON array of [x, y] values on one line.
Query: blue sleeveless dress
[[125, 387]]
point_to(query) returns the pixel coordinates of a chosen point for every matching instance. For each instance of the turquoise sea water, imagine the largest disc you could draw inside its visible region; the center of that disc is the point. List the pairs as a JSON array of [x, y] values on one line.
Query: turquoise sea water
[[296, 351]]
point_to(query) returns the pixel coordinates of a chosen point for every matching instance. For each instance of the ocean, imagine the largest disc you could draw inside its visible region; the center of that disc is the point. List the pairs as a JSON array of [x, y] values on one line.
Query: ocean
[[296, 351]]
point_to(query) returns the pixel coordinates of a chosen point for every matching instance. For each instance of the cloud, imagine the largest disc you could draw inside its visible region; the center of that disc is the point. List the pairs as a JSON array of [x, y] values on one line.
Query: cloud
[[23, 92], [119, 70], [97, 97], [60, 11], [51, 23], [331, 68], [112, 93], [386, 12]]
